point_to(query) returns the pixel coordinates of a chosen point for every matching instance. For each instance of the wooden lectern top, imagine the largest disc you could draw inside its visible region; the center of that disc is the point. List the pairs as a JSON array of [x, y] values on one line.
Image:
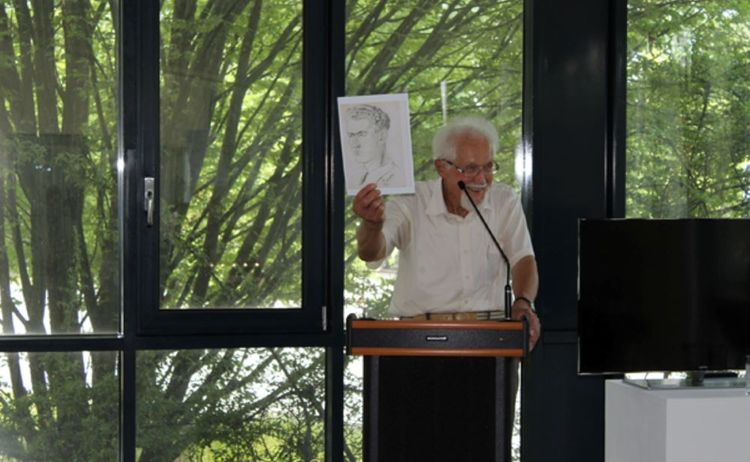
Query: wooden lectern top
[[371, 337]]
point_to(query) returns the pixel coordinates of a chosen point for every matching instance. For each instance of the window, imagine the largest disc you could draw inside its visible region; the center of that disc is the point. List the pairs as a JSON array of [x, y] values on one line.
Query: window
[[452, 59], [458, 58], [59, 244], [228, 167], [59, 269], [263, 404], [688, 121], [78, 134], [201, 317], [231, 155]]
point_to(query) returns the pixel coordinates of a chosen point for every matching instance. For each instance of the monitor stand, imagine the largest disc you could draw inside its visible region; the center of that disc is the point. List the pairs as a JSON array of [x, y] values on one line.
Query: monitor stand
[[696, 379]]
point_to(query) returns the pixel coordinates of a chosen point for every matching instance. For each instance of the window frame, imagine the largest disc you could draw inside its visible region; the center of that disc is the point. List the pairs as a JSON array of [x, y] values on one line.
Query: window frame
[[141, 160], [615, 161], [319, 322]]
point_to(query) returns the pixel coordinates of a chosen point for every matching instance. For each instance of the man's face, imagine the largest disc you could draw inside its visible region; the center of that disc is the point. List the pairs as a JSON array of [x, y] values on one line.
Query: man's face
[[366, 141], [471, 150]]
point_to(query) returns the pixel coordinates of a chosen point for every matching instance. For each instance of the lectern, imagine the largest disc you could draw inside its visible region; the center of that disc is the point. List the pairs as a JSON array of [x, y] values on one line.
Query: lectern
[[437, 391]]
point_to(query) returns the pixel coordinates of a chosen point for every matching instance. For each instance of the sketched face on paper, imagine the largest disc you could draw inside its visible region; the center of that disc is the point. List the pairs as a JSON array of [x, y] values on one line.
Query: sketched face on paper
[[375, 136], [367, 132]]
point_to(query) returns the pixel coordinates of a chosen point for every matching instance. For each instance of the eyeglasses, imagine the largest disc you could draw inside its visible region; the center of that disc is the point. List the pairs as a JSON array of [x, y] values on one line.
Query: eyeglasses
[[472, 169]]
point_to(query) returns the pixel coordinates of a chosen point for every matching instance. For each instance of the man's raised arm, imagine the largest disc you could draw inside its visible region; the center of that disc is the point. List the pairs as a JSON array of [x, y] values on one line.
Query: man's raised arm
[[369, 206]]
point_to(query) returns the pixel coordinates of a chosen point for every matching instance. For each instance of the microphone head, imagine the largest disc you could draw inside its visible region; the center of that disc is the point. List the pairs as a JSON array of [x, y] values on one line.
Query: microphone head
[[462, 185]]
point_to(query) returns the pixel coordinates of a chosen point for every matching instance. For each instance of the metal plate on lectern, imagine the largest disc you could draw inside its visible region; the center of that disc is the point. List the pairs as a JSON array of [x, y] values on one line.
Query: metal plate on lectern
[[433, 338]]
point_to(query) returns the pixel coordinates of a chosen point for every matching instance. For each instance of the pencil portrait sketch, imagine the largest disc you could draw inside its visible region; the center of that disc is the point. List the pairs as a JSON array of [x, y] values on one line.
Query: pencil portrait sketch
[[376, 143]]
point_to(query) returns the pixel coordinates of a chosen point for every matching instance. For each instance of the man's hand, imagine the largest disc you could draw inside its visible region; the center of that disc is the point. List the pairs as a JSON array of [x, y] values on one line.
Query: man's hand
[[368, 204], [521, 309]]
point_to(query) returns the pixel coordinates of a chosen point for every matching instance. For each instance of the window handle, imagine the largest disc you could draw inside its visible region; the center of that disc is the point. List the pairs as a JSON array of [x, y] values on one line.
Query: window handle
[[148, 200]]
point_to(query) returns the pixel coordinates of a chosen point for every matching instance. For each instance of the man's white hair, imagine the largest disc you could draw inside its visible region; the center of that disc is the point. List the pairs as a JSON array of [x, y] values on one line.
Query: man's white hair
[[443, 146]]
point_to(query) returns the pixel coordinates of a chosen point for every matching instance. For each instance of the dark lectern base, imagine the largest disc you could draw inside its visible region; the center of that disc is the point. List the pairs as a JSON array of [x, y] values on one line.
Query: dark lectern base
[[449, 409]]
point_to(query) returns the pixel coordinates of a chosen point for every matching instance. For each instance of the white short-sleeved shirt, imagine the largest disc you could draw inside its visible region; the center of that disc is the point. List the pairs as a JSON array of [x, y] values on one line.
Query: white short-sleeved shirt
[[448, 263]]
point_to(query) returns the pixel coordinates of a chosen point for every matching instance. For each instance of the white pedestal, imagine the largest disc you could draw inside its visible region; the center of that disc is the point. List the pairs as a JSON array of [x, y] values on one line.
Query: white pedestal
[[683, 425]]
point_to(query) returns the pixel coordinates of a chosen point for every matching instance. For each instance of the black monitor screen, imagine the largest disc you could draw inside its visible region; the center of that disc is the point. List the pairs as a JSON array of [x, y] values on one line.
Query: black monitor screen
[[663, 295]]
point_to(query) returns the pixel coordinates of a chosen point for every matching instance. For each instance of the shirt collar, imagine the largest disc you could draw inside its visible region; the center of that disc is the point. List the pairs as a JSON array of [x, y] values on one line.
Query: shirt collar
[[436, 204]]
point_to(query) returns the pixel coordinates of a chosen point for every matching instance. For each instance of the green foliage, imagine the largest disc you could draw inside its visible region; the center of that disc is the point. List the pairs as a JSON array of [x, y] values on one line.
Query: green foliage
[[74, 421], [230, 195], [231, 91], [263, 405], [474, 46], [688, 146], [231, 154]]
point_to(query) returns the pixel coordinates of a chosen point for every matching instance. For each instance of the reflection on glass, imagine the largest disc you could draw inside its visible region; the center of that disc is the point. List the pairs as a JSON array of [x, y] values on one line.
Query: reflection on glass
[[688, 121], [234, 404], [230, 192], [452, 59], [58, 206], [59, 406]]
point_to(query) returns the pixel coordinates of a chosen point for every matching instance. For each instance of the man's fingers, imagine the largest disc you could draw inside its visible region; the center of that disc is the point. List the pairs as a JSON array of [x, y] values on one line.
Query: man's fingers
[[368, 204], [372, 199], [366, 190], [535, 329]]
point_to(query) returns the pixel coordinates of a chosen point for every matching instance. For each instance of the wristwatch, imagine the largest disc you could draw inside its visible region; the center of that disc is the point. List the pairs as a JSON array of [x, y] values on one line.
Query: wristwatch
[[531, 303]]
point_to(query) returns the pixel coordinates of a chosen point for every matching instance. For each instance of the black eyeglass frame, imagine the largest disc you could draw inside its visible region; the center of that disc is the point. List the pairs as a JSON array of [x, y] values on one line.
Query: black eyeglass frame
[[471, 170]]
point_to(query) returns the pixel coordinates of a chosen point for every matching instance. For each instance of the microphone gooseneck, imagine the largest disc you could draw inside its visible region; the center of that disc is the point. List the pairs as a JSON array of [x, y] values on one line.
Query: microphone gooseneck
[[462, 185]]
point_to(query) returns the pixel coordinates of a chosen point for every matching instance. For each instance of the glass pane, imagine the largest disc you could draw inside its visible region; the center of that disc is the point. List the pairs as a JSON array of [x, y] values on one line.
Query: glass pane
[[59, 407], [353, 408], [233, 404], [59, 263], [231, 172], [455, 58], [688, 117]]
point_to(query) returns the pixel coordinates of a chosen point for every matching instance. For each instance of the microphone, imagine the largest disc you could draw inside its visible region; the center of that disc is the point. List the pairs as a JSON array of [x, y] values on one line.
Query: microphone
[[462, 185]]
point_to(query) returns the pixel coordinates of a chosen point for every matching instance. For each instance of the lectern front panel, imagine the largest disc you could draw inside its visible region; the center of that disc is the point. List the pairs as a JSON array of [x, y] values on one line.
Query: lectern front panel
[[436, 409]]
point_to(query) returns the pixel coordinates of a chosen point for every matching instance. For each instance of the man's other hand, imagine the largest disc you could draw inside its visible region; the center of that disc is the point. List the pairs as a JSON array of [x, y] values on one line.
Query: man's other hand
[[522, 310]]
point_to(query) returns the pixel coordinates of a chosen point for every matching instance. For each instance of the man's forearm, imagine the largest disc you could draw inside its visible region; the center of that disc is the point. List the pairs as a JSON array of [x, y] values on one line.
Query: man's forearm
[[525, 278], [525, 286], [370, 241]]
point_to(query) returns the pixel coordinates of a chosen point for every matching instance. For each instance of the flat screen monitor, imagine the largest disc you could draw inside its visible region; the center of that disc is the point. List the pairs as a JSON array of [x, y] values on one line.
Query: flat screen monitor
[[663, 295]]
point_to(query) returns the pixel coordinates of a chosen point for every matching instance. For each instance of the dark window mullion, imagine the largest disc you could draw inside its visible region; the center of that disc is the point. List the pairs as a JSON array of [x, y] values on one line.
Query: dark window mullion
[[138, 28], [616, 130], [332, 19], [316, 119]]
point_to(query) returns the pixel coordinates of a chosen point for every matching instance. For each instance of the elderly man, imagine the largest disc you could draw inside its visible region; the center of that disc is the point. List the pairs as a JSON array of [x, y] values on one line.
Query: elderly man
[[449, 268], [367, 131]]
